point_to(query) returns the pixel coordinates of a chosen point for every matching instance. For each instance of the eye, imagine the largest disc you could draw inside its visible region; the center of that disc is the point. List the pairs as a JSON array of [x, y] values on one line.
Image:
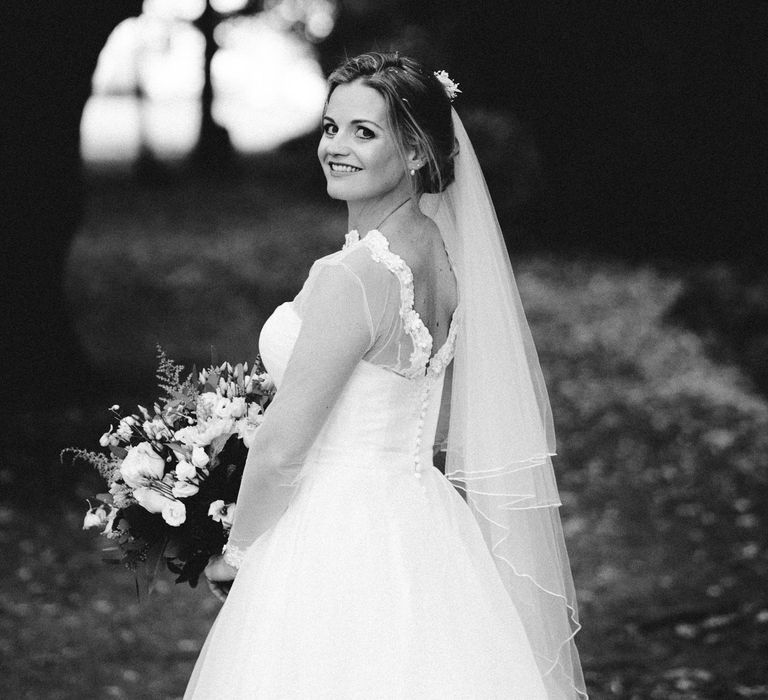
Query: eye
[[364, 133], [329, 128]]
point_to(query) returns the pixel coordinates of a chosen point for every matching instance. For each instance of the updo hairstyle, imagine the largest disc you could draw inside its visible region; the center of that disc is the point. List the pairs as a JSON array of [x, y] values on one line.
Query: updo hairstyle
[[418, 109]]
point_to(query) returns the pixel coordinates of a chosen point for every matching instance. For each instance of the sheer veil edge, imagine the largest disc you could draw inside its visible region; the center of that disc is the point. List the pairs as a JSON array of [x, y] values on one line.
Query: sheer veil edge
[[501, 436]]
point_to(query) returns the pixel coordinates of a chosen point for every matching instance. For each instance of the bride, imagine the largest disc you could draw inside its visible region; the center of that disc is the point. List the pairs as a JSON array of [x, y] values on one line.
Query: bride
[[359, 570]]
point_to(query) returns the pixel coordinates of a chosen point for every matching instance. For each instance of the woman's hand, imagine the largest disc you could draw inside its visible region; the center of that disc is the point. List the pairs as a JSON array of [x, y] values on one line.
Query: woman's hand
[[220, 576], [218, 570]]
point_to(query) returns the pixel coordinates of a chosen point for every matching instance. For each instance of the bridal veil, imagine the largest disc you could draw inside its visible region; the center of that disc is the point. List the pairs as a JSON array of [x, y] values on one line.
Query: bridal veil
[[501, 435]]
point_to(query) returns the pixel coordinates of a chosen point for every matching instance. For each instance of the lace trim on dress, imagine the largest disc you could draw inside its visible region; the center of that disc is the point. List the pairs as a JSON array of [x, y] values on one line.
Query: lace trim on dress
[[421, 337], [444, 355], [233, 555], [422, 340]]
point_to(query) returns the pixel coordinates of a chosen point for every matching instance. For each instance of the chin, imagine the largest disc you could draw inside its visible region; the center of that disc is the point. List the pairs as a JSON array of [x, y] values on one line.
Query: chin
[[341, 190]]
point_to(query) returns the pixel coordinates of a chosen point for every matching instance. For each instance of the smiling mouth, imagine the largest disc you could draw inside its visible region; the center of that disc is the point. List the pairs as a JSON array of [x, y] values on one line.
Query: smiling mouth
[[343, 168]]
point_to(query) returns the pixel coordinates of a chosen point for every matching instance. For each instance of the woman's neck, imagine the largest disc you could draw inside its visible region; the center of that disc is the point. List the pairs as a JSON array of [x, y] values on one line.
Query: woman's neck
[[368, 215]]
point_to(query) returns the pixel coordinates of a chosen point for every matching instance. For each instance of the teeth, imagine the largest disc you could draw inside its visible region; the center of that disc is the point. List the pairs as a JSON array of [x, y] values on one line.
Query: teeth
[[339, 168]]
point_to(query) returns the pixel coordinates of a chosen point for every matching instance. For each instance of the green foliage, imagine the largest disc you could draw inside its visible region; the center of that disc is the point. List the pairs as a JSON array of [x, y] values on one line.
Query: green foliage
[[105, 466], [181, 395]]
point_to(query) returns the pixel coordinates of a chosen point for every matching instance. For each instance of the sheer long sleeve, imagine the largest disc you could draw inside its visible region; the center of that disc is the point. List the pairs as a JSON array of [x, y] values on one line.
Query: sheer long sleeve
[[336, 332]]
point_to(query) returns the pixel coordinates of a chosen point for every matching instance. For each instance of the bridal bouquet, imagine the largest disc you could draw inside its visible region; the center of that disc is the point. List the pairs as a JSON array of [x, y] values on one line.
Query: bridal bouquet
[[173, 473]]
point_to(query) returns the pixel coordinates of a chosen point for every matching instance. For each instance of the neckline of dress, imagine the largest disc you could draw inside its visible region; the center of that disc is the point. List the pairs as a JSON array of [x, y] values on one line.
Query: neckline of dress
[[354, 236]]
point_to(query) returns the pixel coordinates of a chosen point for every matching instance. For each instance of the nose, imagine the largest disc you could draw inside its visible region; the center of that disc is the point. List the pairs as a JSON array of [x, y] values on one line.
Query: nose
[[338, 146]]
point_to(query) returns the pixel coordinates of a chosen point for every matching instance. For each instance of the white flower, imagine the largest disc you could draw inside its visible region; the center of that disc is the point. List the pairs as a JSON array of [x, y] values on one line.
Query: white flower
[[223, 408], [246, 430], [121, 495], [141, 463], [95, 517], [174, 513], [151, 499], [204, 433], [238, 407], [222, 513], [185, 470], [104, 440], [451, 88], [109, 522], [156, 428], [199, 458], [266, 382], [183, 489], [208, 399]]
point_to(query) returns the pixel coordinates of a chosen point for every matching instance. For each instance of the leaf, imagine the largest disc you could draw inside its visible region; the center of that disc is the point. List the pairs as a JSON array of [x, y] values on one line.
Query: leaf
[[117, 451]]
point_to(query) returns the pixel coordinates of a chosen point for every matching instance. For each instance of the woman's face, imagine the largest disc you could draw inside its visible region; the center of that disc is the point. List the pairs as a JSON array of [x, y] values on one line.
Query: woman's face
[[357, 149]]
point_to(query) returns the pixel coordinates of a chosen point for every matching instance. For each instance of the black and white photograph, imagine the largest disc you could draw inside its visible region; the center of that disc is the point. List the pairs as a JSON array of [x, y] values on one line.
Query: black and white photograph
[[384, 350]]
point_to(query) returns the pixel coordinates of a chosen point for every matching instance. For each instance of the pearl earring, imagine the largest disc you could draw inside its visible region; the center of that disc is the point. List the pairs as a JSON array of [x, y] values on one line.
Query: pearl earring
[[413, 172]]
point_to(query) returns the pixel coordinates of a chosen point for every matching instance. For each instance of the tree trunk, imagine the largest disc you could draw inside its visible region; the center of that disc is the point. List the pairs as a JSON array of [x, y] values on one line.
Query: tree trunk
[[214, 150]]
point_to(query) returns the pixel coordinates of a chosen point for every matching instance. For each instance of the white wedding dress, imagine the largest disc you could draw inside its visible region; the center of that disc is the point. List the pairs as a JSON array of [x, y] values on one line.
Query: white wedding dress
[[375, 582]]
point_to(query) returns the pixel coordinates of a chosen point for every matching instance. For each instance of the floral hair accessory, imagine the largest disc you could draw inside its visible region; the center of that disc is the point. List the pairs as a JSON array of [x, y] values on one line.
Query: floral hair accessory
[[451, 88]]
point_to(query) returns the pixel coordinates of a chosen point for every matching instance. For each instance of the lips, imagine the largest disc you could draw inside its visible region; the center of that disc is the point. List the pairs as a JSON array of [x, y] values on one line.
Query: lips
[[343, 168]]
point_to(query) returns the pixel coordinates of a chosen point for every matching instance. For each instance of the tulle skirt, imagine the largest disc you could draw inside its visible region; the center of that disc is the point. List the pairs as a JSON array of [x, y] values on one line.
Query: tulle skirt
[[373, 584]]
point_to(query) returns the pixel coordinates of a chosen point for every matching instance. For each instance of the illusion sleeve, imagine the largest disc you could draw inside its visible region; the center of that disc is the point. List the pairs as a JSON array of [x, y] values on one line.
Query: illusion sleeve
[[336, 331]]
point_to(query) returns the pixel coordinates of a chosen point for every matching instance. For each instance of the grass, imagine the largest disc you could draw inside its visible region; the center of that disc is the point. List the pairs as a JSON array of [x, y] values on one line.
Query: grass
[[662, 453]]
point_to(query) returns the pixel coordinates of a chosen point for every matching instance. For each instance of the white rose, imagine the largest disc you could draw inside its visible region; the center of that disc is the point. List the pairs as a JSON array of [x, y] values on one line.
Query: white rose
[[199, 458], [204, 433], [185, 470], [141, 463], [223, 408], [186, 436], [183, 489], [150, 499], [174, 513]]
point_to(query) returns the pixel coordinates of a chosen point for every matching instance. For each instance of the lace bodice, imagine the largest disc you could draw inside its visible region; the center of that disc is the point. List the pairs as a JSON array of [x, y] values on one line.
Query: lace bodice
[[382, 413], [420, 360]]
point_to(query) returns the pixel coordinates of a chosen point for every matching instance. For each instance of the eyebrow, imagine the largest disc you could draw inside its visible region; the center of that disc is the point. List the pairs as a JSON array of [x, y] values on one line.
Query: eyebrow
[[356, 121]]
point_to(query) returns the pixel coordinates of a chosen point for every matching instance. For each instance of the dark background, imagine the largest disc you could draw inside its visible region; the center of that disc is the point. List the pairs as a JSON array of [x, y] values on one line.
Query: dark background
[[627, 129]]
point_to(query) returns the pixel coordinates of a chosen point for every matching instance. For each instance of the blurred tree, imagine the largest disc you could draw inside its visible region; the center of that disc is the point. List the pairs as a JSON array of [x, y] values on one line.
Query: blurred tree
[[51, 51], [214, 148]]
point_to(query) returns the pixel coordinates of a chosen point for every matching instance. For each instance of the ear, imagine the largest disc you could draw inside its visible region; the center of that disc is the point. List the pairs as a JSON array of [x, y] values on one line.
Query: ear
[[414, 159]]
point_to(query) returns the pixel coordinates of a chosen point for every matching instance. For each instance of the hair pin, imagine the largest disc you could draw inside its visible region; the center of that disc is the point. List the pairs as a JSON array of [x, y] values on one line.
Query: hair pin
[[451, 88]]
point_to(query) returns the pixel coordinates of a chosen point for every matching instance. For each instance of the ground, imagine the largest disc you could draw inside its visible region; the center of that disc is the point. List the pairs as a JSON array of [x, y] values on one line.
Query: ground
[[661, 452]]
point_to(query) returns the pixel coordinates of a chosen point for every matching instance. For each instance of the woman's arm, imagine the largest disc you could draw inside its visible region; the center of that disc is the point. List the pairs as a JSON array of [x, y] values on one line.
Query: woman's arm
[[336, 332]]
